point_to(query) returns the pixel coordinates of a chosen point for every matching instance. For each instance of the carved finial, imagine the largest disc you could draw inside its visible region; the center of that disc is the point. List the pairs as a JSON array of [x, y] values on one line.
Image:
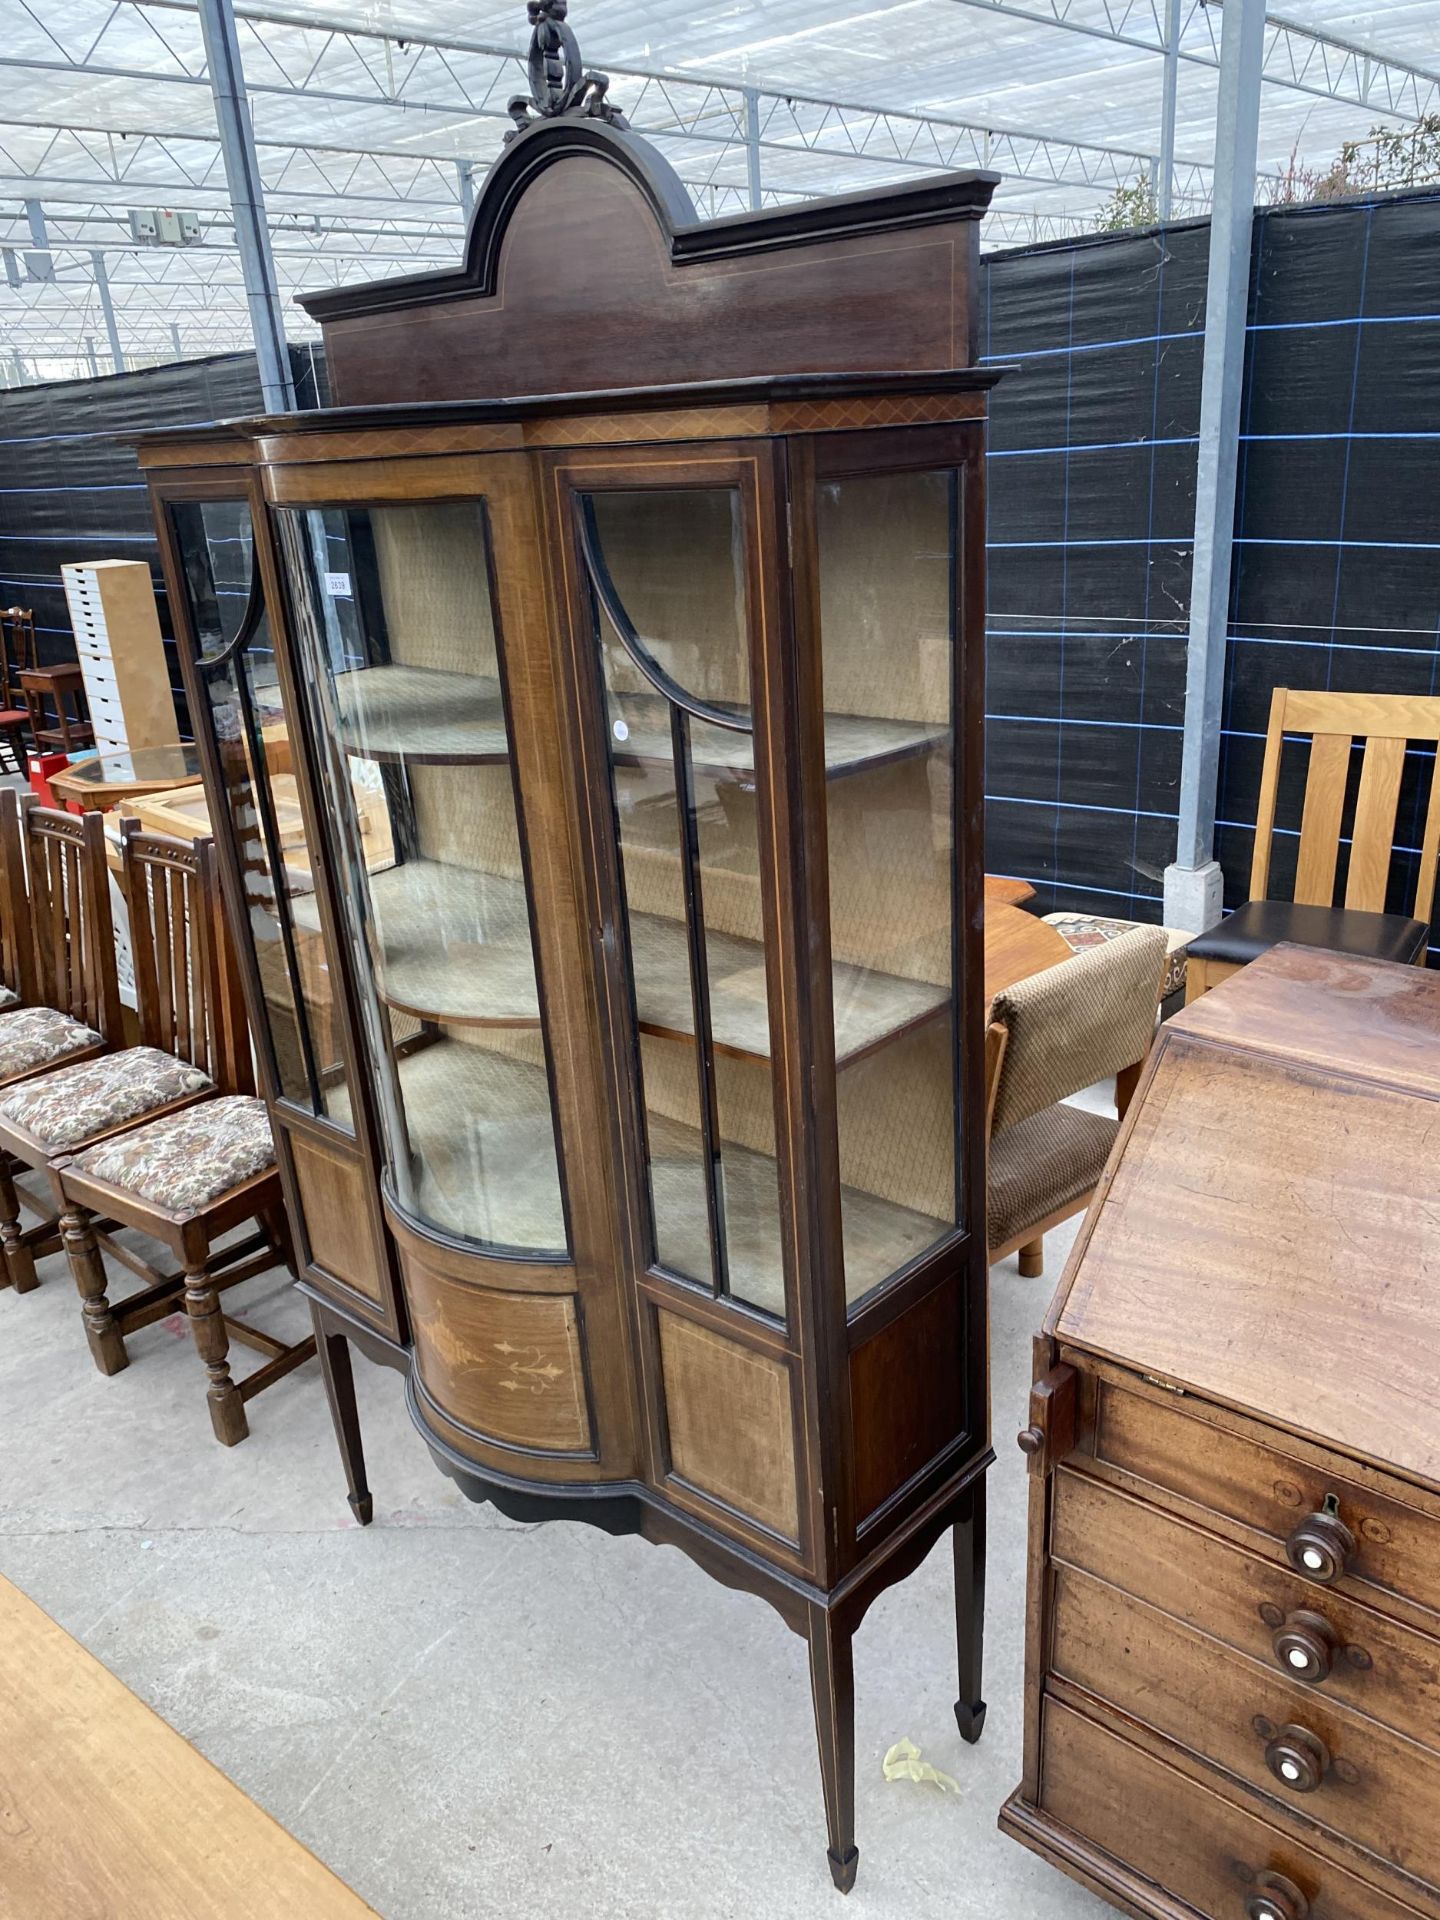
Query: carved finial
[[559, 85]]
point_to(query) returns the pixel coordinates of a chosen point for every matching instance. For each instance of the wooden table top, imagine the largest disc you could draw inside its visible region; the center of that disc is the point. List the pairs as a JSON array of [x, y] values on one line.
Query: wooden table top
[[106, 1813], [105, 780], [1017, 943]]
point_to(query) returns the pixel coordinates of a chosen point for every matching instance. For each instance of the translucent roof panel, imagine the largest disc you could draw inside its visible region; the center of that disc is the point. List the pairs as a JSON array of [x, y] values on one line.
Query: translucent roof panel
[[366, 115]]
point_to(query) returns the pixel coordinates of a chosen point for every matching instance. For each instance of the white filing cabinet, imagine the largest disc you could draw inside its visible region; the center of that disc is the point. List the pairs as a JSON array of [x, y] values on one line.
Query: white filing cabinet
[[121, 653]]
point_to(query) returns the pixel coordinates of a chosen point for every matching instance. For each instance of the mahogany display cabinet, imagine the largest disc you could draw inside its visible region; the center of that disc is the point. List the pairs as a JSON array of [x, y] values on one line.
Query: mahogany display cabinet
[[619, 1003]]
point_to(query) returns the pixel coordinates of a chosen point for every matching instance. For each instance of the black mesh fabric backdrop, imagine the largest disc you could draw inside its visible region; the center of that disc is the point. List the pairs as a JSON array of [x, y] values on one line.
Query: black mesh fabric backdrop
[[70, 488], [1092, 480], [1092, 493]]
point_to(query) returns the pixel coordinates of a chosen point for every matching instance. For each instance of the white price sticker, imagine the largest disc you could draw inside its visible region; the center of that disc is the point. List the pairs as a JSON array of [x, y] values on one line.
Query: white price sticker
[[337, 585]]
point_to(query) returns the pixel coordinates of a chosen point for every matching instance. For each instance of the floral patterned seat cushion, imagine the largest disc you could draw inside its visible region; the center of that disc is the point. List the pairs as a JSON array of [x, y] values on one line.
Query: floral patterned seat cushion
[[8, 999], [75, 1103], [188, 1159], [32, 1037]]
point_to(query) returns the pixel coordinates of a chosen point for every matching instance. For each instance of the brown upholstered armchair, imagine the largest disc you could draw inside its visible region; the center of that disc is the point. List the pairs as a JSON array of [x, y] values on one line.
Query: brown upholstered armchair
[[1049, 1037]]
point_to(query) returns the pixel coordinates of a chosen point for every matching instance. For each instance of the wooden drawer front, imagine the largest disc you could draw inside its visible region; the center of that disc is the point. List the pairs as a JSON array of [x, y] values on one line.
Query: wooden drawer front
[[1380, 1667], [1397, 1547], [1199, 1847], [1379, 1791]]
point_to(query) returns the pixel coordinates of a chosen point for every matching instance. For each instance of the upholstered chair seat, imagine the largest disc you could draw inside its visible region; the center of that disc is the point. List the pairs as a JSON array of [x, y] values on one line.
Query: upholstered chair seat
[[1044, 1165], [31, 1037], [183, 1161], [76, 1103], [8, 999]]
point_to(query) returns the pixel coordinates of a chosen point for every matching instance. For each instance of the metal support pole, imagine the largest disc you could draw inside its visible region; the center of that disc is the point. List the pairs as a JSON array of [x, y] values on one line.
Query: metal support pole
[[39, 261], [19, 365], [247, 203], [752, 147], [107, 308], [1167, 109], [91, 357], [465, 171], [1193, 886], [175, 340]]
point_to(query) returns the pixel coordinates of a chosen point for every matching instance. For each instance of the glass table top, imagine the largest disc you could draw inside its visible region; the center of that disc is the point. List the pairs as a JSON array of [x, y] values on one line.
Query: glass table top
[[165, 766]]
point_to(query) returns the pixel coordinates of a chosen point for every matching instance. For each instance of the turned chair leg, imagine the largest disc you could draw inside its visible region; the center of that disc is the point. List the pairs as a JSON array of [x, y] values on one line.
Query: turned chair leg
[[969, 1541], [19, 1260], [339, 1377], [832, 1682], [212, 1343], [1032, 1258], [107, 1344]]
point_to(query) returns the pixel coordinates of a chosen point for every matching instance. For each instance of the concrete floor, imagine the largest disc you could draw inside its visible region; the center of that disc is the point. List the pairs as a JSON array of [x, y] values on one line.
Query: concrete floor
[[469, 1718]]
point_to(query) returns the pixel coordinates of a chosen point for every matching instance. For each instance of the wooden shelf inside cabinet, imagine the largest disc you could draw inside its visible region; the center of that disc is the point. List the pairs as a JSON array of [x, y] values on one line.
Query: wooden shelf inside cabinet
[[454, 945], [854, 743], [870, 1008], [421, 714], [467, 1106], [880, 1237]]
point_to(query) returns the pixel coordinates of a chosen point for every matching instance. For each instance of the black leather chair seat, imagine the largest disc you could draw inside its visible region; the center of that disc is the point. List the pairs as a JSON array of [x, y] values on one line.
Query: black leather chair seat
[[1260, 924]]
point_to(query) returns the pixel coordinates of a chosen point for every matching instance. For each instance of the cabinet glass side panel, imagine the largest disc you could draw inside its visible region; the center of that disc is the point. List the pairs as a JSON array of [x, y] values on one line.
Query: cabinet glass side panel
[[400, 630], [235, 662], [887, 559], [667, 576]]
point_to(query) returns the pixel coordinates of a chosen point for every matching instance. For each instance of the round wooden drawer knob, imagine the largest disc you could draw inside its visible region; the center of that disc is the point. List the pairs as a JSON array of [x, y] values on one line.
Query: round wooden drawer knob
[[1030, 1440], [1276, 1898], [1306, 1646], [1321, 1547], [1298, 1759]]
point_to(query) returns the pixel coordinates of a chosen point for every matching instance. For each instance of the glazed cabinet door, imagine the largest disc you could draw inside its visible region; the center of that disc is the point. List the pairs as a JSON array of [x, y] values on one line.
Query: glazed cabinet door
[[255, 804], [887, 538], [673, 599], [436, 749]]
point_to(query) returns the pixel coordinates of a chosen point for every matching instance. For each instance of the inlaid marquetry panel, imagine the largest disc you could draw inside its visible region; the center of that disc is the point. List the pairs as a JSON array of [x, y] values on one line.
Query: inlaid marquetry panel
[[507, 1366], [334, 1202], [728, 1411]]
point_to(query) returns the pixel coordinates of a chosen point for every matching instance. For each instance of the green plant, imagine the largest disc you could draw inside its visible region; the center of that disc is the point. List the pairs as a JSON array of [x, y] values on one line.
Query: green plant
[[1386, 159], [1132, 205]]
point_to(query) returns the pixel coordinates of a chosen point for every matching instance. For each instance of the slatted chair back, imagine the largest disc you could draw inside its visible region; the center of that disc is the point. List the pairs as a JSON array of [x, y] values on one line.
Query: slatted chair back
[[187, 984], [70, 910], [17, 931], [1384, 724], [17, 652]]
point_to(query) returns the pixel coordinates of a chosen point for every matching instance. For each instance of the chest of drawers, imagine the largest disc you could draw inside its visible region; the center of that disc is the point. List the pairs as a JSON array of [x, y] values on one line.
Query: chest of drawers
[[1233, 1632], [121, 654]]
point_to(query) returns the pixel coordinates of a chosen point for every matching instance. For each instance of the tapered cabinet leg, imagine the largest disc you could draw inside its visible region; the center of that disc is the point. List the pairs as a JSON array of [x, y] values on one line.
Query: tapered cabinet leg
[[339, 1376], [19, 1270], [832, 1682], [107, 1344], [969, 1537], [207, 1324]]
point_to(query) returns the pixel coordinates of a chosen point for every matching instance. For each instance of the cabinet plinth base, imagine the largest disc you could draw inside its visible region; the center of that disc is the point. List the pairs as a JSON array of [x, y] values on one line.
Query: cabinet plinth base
[[1099, 1872]]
